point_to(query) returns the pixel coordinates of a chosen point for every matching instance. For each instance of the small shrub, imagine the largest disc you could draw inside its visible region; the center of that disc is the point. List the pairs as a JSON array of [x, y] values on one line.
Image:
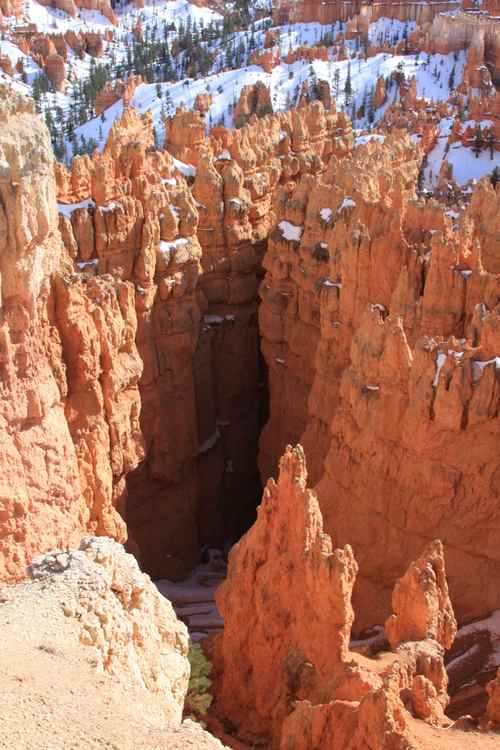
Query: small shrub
[[198, 698]]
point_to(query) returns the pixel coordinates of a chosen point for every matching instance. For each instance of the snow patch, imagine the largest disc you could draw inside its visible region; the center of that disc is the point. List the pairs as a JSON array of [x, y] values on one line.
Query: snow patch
[[209, 442], [290, 232], [346, 203], [188, 170], [440, 360], [479, 367], [362, 139], [66, 209]]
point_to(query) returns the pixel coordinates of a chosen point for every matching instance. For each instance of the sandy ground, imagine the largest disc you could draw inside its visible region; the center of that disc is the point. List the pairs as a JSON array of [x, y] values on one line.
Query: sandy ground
[[52, 697]]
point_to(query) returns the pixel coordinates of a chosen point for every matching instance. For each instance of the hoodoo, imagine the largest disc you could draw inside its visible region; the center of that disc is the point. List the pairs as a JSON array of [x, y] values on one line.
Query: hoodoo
[[285, 576]]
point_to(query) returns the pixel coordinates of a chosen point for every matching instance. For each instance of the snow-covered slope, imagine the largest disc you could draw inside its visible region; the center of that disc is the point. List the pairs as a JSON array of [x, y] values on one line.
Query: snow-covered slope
[[182, 50]]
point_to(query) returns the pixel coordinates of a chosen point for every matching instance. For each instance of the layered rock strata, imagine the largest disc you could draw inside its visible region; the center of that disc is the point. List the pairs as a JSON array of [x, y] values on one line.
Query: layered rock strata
[[189, 233], [69, 366], [307, 11], [387, 382]]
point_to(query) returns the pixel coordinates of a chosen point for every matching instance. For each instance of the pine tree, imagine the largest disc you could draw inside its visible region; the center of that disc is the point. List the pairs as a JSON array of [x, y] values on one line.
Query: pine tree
[[478, 141], [490, 142], [451, 79], [495, 177], [336, 81], [348, 85]]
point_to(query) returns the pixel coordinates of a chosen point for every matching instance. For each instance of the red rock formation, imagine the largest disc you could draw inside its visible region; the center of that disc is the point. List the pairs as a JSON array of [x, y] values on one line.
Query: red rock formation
[[286, 591], [6, 65], [56, 71], [306, 53], [477, 33], [267, 60], [11, 7], [380, 94], [271, 39], [421, 602], [116, 90], [38, 457], [255, 99], [291, 580], [358, 387], [202, 103], [318, 211], [493, 708], [307, 11], [71, 7], [185, 136], [70, 423]]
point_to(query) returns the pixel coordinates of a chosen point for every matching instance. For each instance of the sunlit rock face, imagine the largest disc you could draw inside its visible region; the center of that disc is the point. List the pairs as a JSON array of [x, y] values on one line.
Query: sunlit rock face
[[383, 376], [70, 401], [285, 674]]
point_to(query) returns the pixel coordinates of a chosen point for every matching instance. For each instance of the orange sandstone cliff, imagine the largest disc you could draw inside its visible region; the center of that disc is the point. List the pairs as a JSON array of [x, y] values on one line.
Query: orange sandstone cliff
[[388, 380], [189, 233], [285, 675], [134, 392], [70, 367]]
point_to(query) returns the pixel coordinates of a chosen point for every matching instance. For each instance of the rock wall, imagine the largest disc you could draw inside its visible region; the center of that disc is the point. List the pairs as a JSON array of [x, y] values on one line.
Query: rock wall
[[479, 33], [255, 99], [133, 387], [40, 497], [70, 367], [11, 7], [392, 385], [307, 11], [316, 287], [73, 6], [188, 235]]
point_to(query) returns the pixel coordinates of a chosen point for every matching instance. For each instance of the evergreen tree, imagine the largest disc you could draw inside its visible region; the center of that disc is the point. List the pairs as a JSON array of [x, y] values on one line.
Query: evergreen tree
[[490, 143], [348, 85], [495, 177], [336, 81], [478, 142], [451, 79]]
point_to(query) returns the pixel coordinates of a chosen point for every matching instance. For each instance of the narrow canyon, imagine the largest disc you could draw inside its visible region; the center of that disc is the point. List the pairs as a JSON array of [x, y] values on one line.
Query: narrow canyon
[[161, 312]]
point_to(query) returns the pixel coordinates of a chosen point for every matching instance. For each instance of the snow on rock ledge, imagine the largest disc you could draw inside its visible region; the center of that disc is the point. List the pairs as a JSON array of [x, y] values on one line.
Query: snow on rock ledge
[[133, 630]]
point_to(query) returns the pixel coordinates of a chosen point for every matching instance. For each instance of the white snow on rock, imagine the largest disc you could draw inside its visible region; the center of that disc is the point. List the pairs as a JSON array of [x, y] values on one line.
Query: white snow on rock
[[346, 203], [290, 232], [186, 169], [85, 265], [328, 282], [326, 214], [440, 360], [362, 139], [479, 367], [213, 320], [490, 624], [66, 209]]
